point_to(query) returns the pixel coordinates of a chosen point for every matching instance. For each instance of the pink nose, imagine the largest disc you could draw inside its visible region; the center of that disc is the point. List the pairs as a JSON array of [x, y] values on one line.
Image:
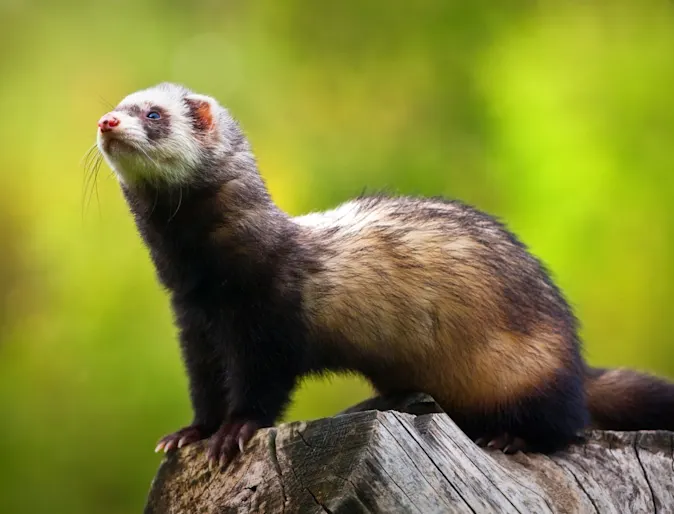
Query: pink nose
[[108, 122]]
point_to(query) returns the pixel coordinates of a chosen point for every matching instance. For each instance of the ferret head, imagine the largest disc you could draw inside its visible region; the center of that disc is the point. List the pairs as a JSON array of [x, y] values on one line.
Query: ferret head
[[168, 135]]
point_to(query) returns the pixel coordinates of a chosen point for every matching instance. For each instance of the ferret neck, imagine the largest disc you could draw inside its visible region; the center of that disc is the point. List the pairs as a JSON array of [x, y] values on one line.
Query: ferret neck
[[200, 233]]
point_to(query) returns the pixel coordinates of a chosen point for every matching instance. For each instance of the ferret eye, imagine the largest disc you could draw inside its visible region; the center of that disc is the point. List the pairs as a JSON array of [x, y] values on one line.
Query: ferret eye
[[153, 115]]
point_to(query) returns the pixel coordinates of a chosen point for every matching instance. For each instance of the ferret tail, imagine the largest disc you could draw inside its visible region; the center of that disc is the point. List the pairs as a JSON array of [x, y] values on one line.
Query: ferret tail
[[623, 399]]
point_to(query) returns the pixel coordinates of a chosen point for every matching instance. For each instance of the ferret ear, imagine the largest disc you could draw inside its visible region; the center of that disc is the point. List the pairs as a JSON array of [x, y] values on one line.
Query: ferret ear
[[202, 111]]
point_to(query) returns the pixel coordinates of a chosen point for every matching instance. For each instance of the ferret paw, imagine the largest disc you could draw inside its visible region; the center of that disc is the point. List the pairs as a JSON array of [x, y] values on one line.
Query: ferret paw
[[182, 437], [505, 442], [230, 438]]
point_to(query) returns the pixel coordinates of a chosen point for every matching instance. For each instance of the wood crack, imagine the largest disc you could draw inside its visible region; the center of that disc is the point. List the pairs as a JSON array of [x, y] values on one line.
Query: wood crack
[[578, 483], [471, 458], [399, 488], [643, 470], [273, 456], [438, 468], [402, 448]]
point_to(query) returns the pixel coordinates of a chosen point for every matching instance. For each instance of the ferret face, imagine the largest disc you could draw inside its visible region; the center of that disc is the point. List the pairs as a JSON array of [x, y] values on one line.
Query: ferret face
[[163, 134]]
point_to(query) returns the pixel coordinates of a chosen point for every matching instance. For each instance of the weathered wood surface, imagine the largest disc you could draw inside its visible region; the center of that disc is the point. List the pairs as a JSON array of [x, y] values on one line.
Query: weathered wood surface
[[393, 462]]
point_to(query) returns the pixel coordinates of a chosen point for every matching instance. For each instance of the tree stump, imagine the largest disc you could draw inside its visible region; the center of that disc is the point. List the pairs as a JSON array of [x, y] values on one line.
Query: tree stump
[[415, 459]]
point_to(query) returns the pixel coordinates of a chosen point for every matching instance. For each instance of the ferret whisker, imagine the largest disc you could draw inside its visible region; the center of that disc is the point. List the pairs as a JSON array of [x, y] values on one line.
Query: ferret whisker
[[180, 201], [95, 186], [92, 183], [148, 156], [105, 102], [89, 162], [154, 203], [91, 152]]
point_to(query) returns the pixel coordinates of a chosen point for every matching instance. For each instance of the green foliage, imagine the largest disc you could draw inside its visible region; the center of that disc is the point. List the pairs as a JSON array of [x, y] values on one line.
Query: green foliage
[[557, 117]]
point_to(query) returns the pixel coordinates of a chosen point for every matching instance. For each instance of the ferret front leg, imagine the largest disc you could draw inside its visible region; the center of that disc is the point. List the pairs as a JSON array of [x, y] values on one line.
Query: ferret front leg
[[260, 385], [208, 393]]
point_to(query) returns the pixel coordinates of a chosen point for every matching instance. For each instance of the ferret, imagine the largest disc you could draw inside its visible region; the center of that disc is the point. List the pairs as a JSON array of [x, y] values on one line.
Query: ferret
[[415, 294]]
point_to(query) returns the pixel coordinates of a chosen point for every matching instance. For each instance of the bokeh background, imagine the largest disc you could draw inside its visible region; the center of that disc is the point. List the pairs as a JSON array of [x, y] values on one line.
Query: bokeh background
[[556, 116]]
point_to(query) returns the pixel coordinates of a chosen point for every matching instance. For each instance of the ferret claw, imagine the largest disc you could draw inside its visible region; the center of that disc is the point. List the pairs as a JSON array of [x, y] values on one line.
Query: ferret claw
[[227, 440], [517, 444], [499, 442], [182, 437], [507, 443]]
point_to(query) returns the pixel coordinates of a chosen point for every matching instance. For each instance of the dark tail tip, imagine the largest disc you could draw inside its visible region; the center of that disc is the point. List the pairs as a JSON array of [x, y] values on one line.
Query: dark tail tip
[[623, 399]]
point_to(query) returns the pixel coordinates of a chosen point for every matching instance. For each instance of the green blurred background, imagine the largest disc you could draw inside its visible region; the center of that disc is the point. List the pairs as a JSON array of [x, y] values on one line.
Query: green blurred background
[[556, 116]]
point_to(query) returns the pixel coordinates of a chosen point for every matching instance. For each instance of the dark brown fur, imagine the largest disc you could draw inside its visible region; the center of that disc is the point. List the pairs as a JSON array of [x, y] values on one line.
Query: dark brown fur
[[623, 399]]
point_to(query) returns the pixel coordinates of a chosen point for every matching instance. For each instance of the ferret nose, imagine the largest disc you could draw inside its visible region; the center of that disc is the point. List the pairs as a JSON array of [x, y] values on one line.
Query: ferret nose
[[108, 122]]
